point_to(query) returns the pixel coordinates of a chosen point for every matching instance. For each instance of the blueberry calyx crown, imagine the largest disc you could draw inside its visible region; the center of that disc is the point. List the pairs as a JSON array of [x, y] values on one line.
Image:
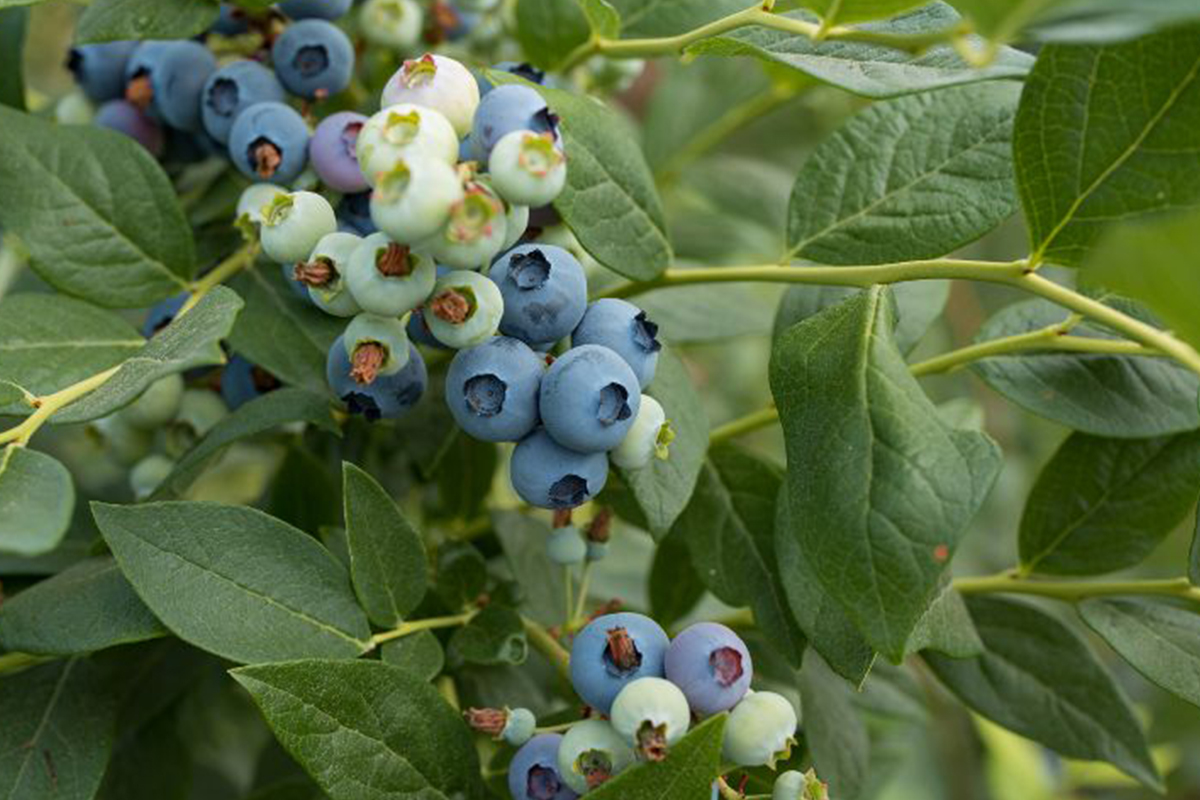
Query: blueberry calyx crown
[[223, 97], [471, 218], [419, 70], [529, 271], [453, 304], [595, 766], [542, 783], [726, 663], [265, 156], [393, 261], [311, 60], [485, 395], [652, 741], [316, 273], [645, 333], [622, 653], [368, 359], [569, 491], [614, 405], [140, 90], [487, 720]]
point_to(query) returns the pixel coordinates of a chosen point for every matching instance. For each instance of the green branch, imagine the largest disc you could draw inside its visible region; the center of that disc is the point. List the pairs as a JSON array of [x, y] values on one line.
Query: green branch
[[15, 662], [548, 646], [1074, 591], [416, 626]]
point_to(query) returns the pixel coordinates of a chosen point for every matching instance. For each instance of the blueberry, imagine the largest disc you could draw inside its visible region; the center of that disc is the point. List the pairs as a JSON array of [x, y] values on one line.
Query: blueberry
[[199, 411], [589, 399], [288, 271], [475, 230], [319, 9], [789, 785], [387, 397], [148, 474], [649, 437], [533, 772], [506, 109], [156, 405], [269, 142], [597, 551], [231, 21], [761, 729], [355, 212], [566, 546], [651, 714], [294, 223], [243, 381], [623, 328], [418, 330], [255, 199], [231, 90], [492, 389], [324, 274], [591, 753], [99, 69], [404, 133], [126, 444], [167, 79], [413, 200], [528, 168], [544, 289], [124, 117], [376, 346], [162, 313], [464, 309], [388, 278], [519, 727], [521, 69], [333, 152], [313, 58], [611, 652], [392, 23], [547, 475], [74, 108], [436, 82], [517, 222], [712, 666]]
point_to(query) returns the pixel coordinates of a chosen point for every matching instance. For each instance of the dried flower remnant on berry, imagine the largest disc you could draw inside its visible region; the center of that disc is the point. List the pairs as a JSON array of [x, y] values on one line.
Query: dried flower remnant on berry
[[487, 720], [394, 261], [622, 651], [366, 362], [451, 306], [600, 528], [316, 273], [652, 741], [266, 158]]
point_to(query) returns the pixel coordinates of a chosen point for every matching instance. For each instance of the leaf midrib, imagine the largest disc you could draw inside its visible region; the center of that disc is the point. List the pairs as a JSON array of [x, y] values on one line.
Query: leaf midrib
[[59, 685]]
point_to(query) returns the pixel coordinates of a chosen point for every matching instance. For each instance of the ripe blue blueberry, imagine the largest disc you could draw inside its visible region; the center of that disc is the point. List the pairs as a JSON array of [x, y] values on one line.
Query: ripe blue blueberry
[[651, 714], [167, 79], [392, 23], [436, 82], [294, 223], [589, 399], [377, 347], [156, 405], [313, 58], [269, 142], [591, 753], [533, 773], [413, 200], [231, 90], [711, 665], [464, 309], [387, 278], [545, 292], [355, 213], [547, 475], [333, 152], [242, 381], [506, 109], [613, 651], [492, 389], [124, 117], [475, 230], [761, 730], [162, 313], [99, 69], [386, 397], [650, 437], [623, 328], [324, 273], [319, 9], [418, 330], [403, 133], [528, 168]]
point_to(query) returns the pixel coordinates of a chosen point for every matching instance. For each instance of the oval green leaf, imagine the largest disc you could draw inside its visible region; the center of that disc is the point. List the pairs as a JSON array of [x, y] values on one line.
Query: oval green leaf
[[37, 496]]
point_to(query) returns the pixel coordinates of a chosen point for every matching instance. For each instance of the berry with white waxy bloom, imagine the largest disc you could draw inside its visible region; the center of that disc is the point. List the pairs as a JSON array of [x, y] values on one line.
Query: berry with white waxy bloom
[[387, 278], [294, 223], [464, 310], [761, 730], [492, 389], [516, 223], [566, 546], [437, 82], [626, 330], [269, 142], [711, 665], [528, 168], [652, 714], [255, 198], [613, 651], [231, 90], [547, 475], [414, 199], [475, 229], [591, 753], [404, 132], [589, 399], [333, 152], [324, 273], [386, 397], [99, 69], [166, 79], [533, 773], [375, 346], [392, 23], [313, 58], [649, 437], [544, 289], [793, 785], [505, 109]]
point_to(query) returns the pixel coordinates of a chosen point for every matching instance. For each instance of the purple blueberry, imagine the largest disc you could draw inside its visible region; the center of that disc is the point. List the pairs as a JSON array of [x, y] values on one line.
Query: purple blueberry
[[124, 117], [613, 651], [589, 399], [333, 153], [711, 665], [533, 772], [545, 292]]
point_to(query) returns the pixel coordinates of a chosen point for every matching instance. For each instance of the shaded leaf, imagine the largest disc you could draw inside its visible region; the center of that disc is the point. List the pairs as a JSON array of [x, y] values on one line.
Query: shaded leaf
[[548, 30], [687, 773], [496, 635], [833, 730], [667, 17], [947, 628], [113, 20], [523, 538], [37, 497], [1162, 642], [13, 24], [674, 586], [421, 654]]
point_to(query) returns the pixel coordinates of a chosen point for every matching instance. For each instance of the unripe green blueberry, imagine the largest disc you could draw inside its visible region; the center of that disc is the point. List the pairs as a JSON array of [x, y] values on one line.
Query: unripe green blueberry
[[528, 168], [761, 729], [652, 714], [199, 411], [520, 726], [475, 230], [413, 200], [388, 336], [156, 406], [649, 436], [255, 199], [294, 223], [788, 786], [566, 546], [516, 222], [392, 23], [148, 474], [324, 273], [464, 310], [388, 278], [404, 132], [125, 443], [591, 753], [436, 81], [596, 551]]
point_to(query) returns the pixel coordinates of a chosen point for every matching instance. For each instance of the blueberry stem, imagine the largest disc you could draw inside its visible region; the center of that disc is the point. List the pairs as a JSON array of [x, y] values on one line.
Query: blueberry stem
[[568, 590], [548, 646], [1075, 591], [581, 606], [561, 727], [416, 626], [15, 662]]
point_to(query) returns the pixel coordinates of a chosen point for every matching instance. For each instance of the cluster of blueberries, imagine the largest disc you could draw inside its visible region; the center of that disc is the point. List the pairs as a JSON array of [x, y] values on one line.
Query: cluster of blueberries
[[644, 691]]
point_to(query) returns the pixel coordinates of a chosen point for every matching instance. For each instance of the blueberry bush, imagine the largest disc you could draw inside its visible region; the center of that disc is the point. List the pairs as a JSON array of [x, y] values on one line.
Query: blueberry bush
[[645, 399]]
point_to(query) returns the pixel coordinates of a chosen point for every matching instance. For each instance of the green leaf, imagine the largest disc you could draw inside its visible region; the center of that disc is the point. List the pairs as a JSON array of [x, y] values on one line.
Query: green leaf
[[838, 12], [367, 729], [387, 557], [833, 729], [49, 341], [602, 17], [881, 488], [1161, 641], [260, 415], [947, 628], [495, 636], [421, 654], [729, 527], [1090, 21], [663, 488], [464, 472], [461, 574], [236, 582], [87, 607], [1107, 133], [1101, 505], [285, 335], [867, 69], [707, 312], [192, 340], [1101, 394], [674, 587], [523, 538], [918, 305], [1038, 678], [13, 24], [36, 500], [643, 18], [1194, 555], [306, 493], [687, 773], [58, 730], [548, 30], [1159, 248], [915, 177], [96, 211], [113, 20]]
